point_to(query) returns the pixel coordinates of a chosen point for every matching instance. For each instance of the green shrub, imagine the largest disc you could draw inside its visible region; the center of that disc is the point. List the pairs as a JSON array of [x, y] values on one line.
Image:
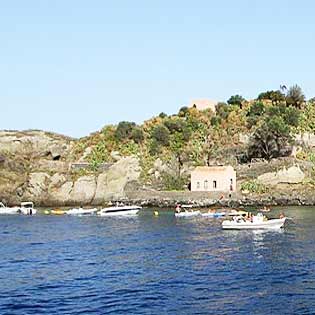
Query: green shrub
[[295, 96], [236, 100], [154, 147], [171, 182], [215, 121], [254, 186], [274, 96], [124, 130], [137, 135], [183, 112], [161, 135]]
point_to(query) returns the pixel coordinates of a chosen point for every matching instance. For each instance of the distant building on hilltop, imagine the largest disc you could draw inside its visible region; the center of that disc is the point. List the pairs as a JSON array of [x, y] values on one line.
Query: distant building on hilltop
[[213, 178], [202, 104]]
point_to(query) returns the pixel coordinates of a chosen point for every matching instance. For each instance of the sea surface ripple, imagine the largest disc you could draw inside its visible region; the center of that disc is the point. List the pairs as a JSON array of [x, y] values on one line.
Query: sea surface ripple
[[155, 265]]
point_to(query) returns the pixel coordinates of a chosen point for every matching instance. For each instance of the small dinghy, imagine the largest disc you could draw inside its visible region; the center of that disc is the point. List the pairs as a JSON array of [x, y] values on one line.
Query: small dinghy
[[258, 222], [81, 211]]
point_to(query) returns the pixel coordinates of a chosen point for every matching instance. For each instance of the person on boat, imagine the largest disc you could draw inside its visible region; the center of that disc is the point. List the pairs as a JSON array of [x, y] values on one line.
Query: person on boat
[[265, 209], [281, 216], [178, 208]]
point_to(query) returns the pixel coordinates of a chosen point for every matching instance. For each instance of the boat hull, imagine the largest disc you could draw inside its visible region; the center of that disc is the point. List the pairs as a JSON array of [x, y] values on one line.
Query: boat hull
[[270, 224], [6, 211], [81, 212], [28, 211], [187, 214], [119, 213]]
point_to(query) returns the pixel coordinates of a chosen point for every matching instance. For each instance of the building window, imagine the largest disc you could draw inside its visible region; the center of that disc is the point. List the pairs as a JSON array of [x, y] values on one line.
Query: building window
[[206, 184], [198, 185], [215, 184], [231, 184]]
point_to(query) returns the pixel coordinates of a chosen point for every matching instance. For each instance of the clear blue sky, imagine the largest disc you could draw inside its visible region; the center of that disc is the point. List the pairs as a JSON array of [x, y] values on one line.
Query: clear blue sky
[[72, 66]]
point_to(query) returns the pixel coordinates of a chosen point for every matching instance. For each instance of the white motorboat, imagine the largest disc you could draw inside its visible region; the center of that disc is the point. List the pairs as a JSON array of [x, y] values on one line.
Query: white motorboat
[[187, 213], [27, 208], [119, 211], [8, 210], [258, 222], [183, 211], [81, 211]]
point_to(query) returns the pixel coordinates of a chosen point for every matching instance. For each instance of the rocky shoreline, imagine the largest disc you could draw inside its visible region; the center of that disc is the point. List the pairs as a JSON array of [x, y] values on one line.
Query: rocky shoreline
[[38, 166], [170, 199]]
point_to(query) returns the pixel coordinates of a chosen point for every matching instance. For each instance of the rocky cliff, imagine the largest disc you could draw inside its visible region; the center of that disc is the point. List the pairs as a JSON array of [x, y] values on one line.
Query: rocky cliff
[[37, 166], [48, 169]]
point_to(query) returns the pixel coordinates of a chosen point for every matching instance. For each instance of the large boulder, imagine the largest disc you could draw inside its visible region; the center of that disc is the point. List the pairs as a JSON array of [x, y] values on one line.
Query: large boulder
[[57, 180], [83, 190], [36, 186], [292, 175], [111, 184], [61, 195]]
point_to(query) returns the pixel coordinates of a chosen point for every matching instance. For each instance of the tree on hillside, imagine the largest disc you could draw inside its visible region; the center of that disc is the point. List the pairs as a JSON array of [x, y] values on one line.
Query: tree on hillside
[[295, 96], [274, 96], [269, 140], [312, 100], [183, 112], [137, 135], [254, 113], [162, 115], [124, 130], [236, 100], [161, 135], [222, 110]]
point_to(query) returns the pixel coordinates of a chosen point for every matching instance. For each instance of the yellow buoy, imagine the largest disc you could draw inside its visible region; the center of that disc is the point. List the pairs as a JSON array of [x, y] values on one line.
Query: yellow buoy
[[156, 213]]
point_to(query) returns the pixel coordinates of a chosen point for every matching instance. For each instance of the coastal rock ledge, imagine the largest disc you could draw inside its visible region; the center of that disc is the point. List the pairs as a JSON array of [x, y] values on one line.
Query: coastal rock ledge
[[38, 166]]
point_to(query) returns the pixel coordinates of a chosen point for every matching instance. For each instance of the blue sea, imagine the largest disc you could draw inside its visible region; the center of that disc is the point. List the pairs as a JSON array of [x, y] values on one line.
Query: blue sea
[[155, 265]]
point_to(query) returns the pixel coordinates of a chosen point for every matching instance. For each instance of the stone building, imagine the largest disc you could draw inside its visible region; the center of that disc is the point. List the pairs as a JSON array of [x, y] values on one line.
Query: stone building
[[202, 104], [213, 178]]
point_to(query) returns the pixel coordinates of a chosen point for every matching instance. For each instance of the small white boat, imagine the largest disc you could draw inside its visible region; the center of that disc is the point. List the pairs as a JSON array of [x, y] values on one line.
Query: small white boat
[[119, 211], [258, 222], [27, 208], [81, 211], [186, 213], [8, 210]]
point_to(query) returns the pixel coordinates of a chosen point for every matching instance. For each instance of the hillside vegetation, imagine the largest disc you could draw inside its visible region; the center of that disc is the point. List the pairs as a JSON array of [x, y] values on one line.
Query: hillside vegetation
[[168, 146]]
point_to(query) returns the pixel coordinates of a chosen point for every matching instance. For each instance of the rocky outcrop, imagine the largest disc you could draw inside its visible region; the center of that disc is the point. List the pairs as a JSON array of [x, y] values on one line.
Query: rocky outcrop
[[35, 143], [63, 189], [83, 190], [292, 175], [37, 186], [111, 184]]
